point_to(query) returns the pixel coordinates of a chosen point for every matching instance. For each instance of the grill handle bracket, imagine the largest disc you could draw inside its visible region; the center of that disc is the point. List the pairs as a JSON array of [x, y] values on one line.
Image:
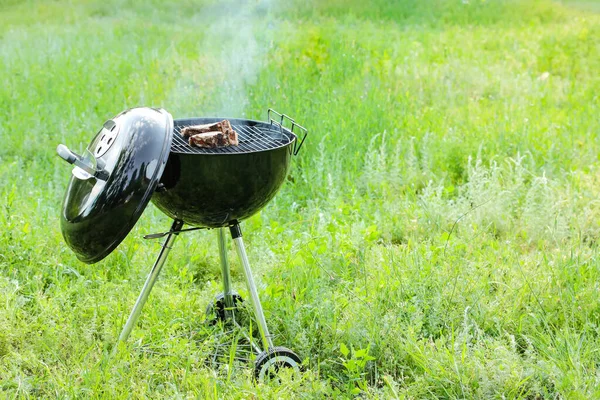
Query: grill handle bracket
[[79, 161], [293, 125]]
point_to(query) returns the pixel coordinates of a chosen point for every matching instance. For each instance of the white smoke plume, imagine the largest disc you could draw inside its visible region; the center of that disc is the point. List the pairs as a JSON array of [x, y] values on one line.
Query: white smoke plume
[[230, 57]]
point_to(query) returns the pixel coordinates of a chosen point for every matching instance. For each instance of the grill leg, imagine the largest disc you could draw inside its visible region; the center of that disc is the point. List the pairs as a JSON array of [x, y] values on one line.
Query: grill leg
[[150, 280], [236, 234], [225, 272]]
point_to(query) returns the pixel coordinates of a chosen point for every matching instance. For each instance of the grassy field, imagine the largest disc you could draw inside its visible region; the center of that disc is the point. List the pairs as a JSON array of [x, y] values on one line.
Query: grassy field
[[437, 236]]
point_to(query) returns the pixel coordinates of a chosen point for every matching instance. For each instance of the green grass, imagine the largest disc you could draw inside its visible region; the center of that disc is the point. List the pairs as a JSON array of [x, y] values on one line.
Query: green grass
[[437, 237]]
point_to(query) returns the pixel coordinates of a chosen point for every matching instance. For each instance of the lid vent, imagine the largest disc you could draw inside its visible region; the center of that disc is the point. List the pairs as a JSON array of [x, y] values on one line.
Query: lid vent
[[108, 133]]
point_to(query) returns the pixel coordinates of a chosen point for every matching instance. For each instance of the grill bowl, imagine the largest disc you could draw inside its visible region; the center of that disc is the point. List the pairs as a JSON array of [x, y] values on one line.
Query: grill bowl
[[212, 187]]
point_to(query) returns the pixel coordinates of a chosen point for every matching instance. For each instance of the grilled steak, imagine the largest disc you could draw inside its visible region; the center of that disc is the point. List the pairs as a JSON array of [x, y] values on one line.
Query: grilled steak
[[195, 129], [208, 139], [218, 134]]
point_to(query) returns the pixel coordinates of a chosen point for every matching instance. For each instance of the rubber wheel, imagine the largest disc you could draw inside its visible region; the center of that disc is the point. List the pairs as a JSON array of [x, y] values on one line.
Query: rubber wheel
[[217, 308], [268, 363]]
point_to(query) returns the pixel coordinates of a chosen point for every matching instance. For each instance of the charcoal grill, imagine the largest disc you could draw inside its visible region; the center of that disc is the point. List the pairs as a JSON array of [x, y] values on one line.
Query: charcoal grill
[[139, 156]]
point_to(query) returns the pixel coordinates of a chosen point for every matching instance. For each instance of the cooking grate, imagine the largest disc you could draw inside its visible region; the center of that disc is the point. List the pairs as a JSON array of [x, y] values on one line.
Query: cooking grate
[[252, 138]]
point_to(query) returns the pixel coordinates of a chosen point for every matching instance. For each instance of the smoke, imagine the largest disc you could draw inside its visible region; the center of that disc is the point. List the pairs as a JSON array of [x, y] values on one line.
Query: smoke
[[230, 57]]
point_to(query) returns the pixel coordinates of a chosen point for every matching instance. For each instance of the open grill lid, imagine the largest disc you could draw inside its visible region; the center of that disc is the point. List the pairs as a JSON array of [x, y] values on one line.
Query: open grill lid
[[113, 181]]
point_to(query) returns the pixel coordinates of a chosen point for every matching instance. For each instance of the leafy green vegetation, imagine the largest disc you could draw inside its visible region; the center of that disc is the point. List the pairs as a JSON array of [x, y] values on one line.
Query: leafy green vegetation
[[437, 236]]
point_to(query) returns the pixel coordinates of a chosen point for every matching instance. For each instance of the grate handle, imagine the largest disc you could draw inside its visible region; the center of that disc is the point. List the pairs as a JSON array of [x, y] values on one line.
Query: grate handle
[[293, 125]]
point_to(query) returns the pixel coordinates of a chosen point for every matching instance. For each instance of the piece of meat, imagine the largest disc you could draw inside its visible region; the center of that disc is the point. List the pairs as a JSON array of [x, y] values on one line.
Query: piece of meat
[[233, 138], [195, 129], [228, 130], [208, 139], [226, 125], [219, 134]]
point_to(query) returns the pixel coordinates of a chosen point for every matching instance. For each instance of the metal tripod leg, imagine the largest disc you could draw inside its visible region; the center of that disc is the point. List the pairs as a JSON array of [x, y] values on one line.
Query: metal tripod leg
[[236, 234], [150, 280], [225, 272]]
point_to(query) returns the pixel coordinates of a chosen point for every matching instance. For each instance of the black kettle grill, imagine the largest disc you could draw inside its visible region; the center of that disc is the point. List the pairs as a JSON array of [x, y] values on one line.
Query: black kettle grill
[[139, 156]]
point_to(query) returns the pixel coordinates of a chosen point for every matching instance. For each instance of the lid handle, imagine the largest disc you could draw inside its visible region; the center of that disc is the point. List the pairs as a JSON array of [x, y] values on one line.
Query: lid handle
[[66, 154], [74, 158]]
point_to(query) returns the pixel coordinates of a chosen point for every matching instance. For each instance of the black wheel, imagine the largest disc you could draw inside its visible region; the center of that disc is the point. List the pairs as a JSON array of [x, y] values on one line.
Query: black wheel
[[215, 312], [268, 363]]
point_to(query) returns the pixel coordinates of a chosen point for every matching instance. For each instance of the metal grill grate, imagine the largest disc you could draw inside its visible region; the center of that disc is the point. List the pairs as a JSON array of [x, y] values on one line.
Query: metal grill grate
[[251, 138]]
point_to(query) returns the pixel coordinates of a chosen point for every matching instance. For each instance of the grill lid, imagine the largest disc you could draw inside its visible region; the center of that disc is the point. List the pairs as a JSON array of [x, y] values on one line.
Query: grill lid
[[113, 181]]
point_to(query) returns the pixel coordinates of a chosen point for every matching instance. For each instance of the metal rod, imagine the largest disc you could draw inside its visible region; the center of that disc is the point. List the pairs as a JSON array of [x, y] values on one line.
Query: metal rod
[[258, 312], [225, 272], [257, 349], [150, 280]]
